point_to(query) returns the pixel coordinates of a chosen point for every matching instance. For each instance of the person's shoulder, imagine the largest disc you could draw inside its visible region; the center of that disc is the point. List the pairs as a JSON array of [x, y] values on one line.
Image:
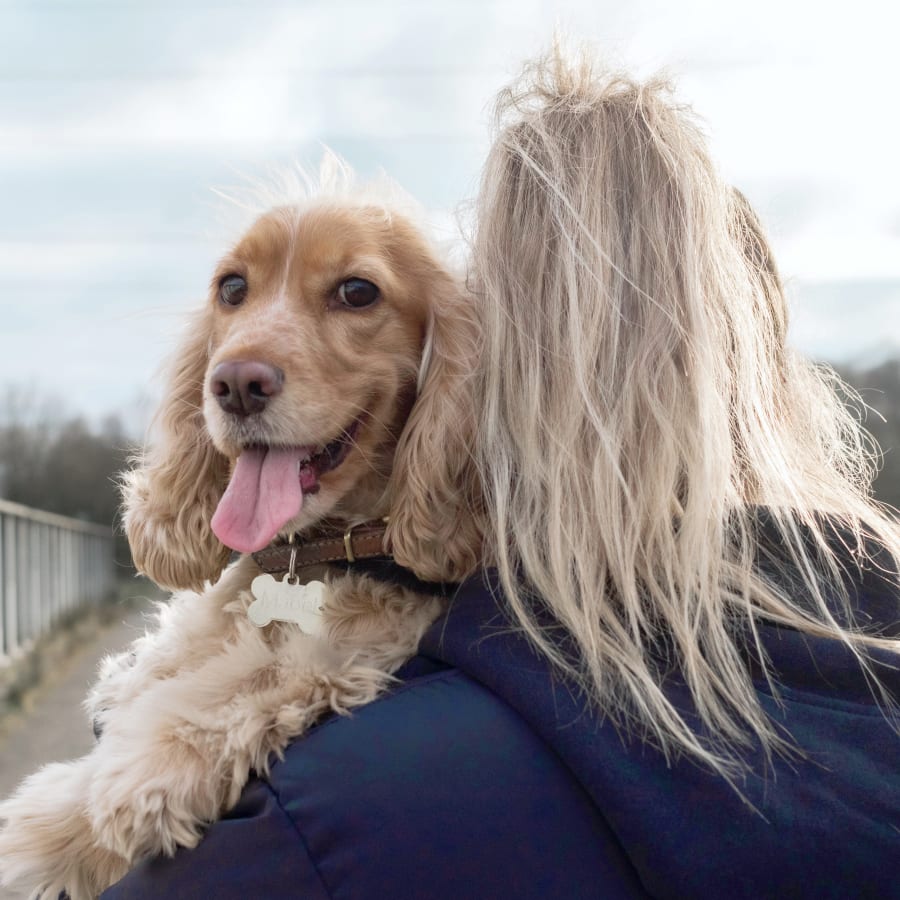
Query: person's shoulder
[[437, 789], [440, 789]]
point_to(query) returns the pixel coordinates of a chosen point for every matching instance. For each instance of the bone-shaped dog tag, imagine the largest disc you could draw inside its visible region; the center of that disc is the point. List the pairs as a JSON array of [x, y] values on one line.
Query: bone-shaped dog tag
[[281, 601]]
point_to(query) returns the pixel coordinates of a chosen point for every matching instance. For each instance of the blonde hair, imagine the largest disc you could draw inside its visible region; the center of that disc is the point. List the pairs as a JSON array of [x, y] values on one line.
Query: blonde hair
[[638, 404]]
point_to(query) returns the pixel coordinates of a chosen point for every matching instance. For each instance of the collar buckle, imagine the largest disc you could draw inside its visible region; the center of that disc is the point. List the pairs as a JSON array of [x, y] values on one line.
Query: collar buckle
[[348, 539]]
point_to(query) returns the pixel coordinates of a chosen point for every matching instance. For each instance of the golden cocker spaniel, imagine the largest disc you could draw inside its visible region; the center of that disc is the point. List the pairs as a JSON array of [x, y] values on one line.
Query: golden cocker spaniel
[[323, 384]]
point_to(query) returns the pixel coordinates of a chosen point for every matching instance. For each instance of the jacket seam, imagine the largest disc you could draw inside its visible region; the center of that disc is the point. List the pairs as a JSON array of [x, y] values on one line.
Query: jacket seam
[[300, 835], [409, 685]]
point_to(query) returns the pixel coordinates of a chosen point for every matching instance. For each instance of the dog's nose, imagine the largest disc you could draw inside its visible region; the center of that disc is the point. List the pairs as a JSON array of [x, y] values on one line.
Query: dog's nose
[[244, 387]]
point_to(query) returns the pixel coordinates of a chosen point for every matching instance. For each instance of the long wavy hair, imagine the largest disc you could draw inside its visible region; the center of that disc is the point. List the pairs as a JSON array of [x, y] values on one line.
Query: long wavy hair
[[638, 404]]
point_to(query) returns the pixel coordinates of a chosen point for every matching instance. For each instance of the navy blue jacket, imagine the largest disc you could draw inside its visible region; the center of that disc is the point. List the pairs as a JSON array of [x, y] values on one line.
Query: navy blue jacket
[[482, 775]]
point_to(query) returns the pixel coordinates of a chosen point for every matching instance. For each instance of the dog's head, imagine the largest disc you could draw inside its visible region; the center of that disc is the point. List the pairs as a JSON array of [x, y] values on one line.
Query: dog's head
[[325, 377]]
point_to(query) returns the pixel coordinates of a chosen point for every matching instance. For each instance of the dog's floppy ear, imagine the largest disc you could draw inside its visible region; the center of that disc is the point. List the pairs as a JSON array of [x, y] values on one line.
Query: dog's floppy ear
[[435, 524], [171, 494]]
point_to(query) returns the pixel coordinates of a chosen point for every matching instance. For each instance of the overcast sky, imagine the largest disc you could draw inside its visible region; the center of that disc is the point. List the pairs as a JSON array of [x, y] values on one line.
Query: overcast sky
[[119, 117]]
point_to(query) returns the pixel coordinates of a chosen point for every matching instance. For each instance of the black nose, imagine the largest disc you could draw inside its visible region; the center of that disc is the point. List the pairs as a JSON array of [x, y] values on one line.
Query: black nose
[[244, 387]]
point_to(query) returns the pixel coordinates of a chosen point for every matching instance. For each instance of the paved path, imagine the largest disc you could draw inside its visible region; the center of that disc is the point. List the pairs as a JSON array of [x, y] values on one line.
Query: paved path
[[52, 726]]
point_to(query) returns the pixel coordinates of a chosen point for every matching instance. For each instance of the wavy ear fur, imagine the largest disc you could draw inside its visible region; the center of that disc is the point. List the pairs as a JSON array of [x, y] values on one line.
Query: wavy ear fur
[[435, 523], [171, 494]]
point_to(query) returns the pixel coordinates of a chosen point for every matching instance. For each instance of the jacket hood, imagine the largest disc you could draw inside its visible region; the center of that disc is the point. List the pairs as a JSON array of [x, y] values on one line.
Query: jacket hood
[[832, 809]]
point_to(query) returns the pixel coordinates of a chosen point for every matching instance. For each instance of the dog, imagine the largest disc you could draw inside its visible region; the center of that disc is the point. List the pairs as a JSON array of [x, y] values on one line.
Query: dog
[[321, 386]]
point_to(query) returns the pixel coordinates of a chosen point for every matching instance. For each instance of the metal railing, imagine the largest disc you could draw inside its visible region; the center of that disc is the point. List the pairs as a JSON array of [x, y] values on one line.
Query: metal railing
[[50, 565]]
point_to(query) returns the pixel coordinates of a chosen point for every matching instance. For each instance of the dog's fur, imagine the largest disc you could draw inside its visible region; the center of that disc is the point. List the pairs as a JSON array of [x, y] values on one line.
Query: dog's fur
[[207, 697]]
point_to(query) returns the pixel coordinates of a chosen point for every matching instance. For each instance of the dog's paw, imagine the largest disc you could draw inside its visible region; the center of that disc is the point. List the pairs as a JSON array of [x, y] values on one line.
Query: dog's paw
[[146, 824], [149, 809], [110, 689], [46, 843]]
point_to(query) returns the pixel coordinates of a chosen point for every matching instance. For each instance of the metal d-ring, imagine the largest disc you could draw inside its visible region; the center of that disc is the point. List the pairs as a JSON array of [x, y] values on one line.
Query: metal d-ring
[[291, 577]]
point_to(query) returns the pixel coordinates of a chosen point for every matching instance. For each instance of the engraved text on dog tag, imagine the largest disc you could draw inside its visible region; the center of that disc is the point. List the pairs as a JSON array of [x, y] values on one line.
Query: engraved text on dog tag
[[281, 601]]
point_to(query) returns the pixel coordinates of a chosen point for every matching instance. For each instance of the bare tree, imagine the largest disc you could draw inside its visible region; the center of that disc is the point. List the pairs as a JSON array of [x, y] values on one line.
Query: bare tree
[[62, 464]]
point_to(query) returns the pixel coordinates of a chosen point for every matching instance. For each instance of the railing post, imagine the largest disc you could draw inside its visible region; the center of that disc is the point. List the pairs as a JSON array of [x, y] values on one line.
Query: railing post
[[49, 566], [11, 584]]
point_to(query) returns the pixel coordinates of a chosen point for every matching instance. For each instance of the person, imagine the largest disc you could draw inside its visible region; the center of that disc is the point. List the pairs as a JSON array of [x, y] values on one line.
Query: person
[[677, 676]]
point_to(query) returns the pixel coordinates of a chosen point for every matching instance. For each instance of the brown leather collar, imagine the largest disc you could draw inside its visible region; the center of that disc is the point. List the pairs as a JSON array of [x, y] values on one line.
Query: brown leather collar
[[325, 545]]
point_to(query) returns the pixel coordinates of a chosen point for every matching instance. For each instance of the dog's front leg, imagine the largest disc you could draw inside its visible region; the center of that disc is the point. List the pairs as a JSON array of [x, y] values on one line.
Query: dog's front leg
[[186, 630], [182, 755]]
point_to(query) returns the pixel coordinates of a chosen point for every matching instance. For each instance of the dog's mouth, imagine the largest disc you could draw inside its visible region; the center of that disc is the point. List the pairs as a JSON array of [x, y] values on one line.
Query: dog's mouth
[[314, 463], [267, 487]]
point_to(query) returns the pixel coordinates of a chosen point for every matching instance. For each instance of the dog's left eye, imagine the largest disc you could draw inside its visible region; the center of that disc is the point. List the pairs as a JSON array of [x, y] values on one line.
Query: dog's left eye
[[233, 290], [357, 293]]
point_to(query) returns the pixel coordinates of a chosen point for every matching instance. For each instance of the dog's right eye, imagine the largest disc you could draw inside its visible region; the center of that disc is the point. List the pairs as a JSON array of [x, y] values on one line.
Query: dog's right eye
[[233, 290], [356, 293]]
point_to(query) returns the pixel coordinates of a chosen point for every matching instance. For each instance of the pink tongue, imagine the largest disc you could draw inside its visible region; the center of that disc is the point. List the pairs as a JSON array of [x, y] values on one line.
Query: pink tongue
[[264, 493]]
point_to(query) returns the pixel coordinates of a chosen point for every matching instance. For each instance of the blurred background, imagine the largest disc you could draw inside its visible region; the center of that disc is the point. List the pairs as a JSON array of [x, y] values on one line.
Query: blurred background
[[119, 119]]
